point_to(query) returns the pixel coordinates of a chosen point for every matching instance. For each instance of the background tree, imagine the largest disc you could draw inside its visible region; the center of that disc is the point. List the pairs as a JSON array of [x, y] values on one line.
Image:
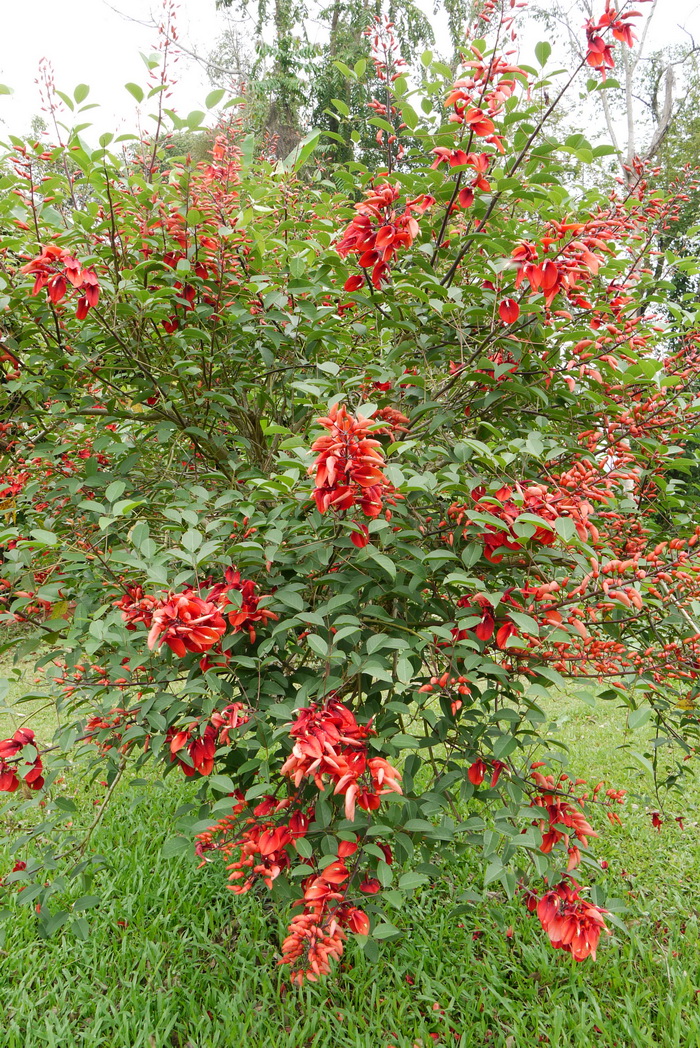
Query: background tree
[[645, 94]]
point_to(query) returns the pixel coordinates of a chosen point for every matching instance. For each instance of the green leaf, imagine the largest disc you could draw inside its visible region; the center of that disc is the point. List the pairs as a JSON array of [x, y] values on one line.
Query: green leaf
[[47, 537], [303, 847], [55, 922], [192, 540], [214, 97], [493, 872], [345, 70], [411, 881], [115, 490], [81, 92], [418, 826], [175, 846], [385, 930], [301, 153], [638, 718], [318, 645], [136, 91], [385, 874], [542, 52], [85, 902], [565, 528], [80, 928], [258, 790], [385, 563]]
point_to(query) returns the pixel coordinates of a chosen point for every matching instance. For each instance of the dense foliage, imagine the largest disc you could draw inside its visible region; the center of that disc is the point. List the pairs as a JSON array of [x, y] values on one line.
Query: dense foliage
[[316, 481]]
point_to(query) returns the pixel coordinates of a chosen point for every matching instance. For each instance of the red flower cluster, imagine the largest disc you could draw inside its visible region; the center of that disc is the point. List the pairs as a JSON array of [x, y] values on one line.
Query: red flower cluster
[[455, 158], [186, 623], [54, 269], [536, 499], [396, 422], [599, 51], [572, 923], [348, 466], [554, 275], [136, 606], [560, 812], [330, 742], [192, 623], [316, 936], [310, 946], [116, 722], [388, 66], [481, 94], [486, 627], [262, 846], [378, 230], [11, 750], [201, 749], [245, 616]]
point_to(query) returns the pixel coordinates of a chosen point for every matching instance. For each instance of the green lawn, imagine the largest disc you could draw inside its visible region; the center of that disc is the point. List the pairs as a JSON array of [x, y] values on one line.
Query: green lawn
[[174, 960]]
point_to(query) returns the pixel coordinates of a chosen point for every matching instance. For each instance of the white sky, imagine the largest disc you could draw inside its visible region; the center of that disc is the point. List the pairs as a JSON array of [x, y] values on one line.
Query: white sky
[[88, 42]]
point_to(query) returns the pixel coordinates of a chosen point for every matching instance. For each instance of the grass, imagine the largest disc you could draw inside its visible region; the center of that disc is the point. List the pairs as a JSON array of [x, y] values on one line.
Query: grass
[[174, 960]]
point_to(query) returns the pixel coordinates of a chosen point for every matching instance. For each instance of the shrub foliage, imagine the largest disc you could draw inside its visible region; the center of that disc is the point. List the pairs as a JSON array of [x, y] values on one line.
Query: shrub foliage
[[317, 479]]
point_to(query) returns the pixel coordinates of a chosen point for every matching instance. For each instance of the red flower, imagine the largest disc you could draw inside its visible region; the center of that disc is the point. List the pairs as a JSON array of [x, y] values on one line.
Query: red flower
[[11, 747], [360, 538], [348, 466], [8, 778], [54, 269], [484, 629], [476, 772], [187, 623], [509, 310], [560, 813], [248, 614], [354, 283], [599, 54], [136, 606], [505, 632], [329, 743], [497, 768], [9, 774], [357, 921], [572, 924], [378, 230]]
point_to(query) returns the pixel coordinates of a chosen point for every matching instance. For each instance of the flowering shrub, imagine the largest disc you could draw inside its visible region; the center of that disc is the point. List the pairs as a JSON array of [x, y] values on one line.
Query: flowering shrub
[[332, 475]]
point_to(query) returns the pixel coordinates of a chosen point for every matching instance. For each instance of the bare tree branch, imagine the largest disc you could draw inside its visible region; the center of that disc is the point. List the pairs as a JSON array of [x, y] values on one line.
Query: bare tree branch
[[206, 63]]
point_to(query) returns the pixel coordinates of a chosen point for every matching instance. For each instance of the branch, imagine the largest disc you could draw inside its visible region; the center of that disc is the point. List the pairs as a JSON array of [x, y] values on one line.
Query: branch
[[666, 115], [80, 846], [205, 62]]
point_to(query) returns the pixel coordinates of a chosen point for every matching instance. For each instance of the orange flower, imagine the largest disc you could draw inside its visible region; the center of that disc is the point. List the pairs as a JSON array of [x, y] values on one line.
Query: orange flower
[[245, 616], [572, 923], [378, 230], [330, 745], [187, 623], [348, 466], [54, 269]]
